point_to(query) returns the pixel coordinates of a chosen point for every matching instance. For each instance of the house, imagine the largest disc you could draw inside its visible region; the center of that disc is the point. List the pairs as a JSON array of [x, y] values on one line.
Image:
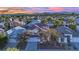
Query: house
[[13, 35], [16, 30], [34, 28], [16, 22], [34, 21], [65, 34], [77, 21], [77, 28], [68, 34], [50, 24]]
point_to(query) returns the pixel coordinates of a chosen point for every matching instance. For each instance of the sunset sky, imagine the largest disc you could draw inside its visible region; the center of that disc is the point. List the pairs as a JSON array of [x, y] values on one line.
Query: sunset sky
[[30, 10]]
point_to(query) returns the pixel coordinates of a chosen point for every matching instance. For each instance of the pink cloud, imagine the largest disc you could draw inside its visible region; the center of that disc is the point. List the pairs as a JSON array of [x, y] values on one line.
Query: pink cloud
[[56, 9]]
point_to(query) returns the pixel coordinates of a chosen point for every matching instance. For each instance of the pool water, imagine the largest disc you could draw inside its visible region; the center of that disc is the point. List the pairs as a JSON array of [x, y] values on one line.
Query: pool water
[[32, 43]]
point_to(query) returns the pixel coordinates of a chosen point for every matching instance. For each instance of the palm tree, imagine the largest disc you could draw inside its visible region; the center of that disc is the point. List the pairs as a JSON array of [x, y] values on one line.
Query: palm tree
[[50, 35], [54, 35], [23, 40]]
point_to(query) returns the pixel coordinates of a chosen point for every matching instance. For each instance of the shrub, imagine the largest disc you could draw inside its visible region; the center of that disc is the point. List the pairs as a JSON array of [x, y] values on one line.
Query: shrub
[[73, 27], [3, 40], [12, 49]]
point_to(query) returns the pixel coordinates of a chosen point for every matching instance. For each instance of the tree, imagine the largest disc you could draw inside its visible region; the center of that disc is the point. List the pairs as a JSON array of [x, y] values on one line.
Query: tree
[[6, 21], [71, 23], [73, 26], [49, 18], [51, 35], [61, 19], [57, 23], [45, 21], [23, 40], [54, 35]]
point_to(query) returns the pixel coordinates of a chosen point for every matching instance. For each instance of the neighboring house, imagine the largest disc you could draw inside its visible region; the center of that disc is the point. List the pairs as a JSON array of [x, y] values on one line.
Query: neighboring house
[[65, 34], [34, 22], [50, 24], [16, 23], [75, 36], [13, 35], [77, 28], [68, 34], [77, 21], [35, 25], [34, 28], [14, 31]]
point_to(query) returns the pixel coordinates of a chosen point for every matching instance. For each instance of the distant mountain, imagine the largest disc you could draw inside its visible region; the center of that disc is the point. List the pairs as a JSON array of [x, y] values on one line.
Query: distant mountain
[[68, 12]]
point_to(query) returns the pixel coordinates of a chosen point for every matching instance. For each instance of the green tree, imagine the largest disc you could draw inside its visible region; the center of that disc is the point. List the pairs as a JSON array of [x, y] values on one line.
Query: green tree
[[73, 27], [49, 18], [45, 21], [71, 23], [23, 40], [57, 23], [61, 20]]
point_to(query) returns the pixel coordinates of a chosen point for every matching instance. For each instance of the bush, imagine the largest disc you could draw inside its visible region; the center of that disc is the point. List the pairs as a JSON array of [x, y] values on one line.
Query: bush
[[3, 40], [12, 49], [73, 27]]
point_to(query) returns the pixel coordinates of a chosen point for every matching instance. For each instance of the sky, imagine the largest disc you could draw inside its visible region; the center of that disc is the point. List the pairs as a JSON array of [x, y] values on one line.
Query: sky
[[30, 10]]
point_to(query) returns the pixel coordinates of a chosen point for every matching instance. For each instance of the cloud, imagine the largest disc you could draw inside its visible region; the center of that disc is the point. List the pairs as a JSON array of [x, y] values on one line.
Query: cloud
[[37, 9], [14, 10], [29, 10], [20, 11], [56, 9]]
